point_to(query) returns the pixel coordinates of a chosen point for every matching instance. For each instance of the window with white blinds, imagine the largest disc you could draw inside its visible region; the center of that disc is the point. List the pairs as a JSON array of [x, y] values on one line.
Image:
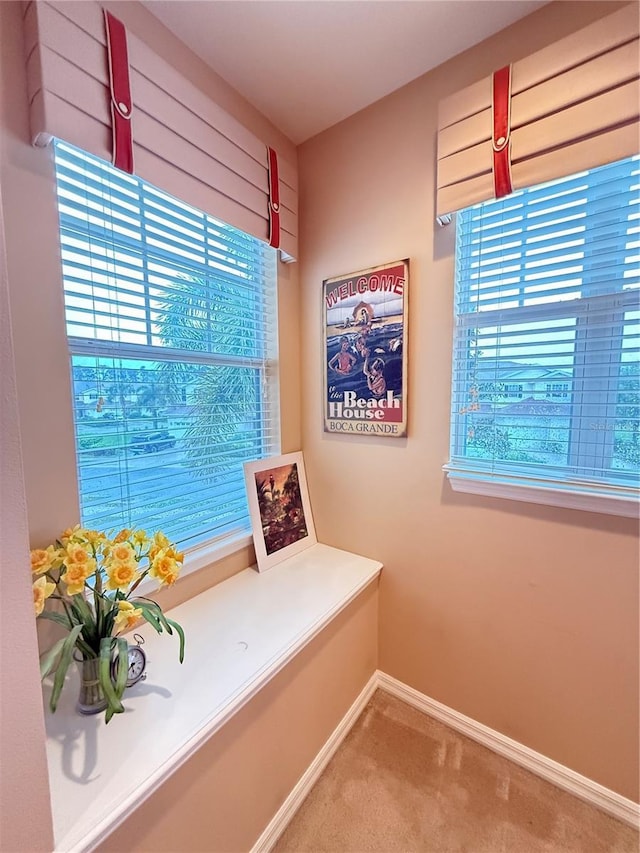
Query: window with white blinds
[[547, 343], [172, 327]]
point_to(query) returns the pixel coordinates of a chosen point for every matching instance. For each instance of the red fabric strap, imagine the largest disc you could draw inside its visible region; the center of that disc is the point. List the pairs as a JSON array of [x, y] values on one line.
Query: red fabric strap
[[274, 199], [501, 104], [121, 103]]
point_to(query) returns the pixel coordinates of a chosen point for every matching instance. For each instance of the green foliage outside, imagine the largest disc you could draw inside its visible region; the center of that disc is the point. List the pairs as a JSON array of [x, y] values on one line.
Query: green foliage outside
[[627, 436], [219, 428]]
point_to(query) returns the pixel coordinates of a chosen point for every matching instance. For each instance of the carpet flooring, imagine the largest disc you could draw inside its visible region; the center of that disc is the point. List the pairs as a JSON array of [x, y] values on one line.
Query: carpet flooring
[[402, 781]]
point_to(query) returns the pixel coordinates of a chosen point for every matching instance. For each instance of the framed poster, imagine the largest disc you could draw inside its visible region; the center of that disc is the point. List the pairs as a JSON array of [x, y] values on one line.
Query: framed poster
[[365, 351], [279, 508]]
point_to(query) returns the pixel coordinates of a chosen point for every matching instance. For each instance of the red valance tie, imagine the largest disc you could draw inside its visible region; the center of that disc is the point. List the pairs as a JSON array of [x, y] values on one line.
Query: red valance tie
[[501, 108], [274, 199], [121, 103]]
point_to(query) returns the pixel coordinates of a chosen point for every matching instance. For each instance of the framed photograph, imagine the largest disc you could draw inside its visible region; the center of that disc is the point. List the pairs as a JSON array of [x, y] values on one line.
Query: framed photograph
[[279, 508], [365, 351]]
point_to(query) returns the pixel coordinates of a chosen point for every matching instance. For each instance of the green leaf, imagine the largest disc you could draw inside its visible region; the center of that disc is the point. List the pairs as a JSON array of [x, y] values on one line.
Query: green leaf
[[165, 622], [66, 655], [83, 612], [148, 614], [85, 648], [96, 608], [180, 633], [152, 612], [60, 618], [48, 659], [157, 610], [122, 657], [108, 622], [68, 625], [114, 705], [123, 666]]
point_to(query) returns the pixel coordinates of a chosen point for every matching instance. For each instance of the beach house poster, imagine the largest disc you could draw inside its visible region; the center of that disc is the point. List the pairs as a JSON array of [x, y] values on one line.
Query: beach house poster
[[365, 350]]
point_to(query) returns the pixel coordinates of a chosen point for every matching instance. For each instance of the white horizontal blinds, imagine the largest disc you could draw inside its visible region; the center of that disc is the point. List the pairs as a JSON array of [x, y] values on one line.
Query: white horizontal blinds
[[183, 141], [575, 105], [172, 325], [547, 345]]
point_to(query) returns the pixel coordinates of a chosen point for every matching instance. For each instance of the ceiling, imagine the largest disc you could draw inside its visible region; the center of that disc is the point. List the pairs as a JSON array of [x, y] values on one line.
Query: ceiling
[[307, 64]]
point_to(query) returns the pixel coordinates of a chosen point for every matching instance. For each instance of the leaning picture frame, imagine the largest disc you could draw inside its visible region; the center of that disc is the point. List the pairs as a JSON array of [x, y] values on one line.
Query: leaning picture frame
[[279, 508]]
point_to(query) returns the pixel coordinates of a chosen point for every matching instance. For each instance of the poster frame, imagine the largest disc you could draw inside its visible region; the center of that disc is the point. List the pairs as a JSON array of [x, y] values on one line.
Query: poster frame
[[370, 309]]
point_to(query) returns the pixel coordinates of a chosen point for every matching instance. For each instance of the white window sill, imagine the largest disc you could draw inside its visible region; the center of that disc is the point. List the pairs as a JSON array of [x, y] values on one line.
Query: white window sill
[[611, 501], [239, 634]]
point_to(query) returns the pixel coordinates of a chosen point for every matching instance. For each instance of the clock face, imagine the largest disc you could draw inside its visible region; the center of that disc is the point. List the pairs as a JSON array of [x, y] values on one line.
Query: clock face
[[137, 663]]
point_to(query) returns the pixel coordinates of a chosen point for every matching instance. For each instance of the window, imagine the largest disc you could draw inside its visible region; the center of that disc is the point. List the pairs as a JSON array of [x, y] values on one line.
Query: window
[[547, 342], [172, 330]]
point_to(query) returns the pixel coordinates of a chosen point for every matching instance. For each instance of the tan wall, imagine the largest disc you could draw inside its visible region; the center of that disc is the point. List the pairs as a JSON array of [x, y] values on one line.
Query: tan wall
[[523, 617], [225, 796]]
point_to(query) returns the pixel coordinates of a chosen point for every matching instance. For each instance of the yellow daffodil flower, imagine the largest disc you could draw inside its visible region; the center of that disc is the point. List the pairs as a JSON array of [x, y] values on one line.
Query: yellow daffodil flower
[[93, 537], [42, 589], [178, 556], [122, 553], [75, 576], [122, 536], [77, 554], [68, 534], [122, 574], [160, 543], [127, 616], [43, 559], [165, 568], [140, 538]]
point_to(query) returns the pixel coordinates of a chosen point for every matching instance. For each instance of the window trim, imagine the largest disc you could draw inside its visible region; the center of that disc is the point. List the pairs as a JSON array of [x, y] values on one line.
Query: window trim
[[603, 499]]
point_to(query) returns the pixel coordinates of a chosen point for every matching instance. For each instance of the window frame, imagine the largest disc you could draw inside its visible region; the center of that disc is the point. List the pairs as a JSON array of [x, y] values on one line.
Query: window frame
[[514, 481], [204, 552]]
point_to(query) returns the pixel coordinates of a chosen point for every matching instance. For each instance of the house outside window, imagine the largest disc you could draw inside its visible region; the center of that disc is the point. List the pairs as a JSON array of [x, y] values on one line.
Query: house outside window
[[172, 328], [547, 342], [557, 389], [512, 389]]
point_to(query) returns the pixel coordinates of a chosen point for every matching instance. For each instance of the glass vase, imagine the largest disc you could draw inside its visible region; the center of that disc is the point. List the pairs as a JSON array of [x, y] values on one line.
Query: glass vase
[[91, 699]]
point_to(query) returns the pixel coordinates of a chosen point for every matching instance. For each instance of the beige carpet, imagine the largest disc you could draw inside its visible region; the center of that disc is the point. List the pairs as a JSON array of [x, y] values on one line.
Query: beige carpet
[[404, 782]]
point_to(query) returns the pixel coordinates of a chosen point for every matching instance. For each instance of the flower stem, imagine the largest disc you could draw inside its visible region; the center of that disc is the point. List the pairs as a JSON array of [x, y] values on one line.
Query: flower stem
[[138, 582]]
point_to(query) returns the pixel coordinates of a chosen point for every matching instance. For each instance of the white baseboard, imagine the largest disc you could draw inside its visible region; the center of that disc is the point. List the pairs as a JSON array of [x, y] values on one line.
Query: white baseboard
[[304, 785], [580, 786]]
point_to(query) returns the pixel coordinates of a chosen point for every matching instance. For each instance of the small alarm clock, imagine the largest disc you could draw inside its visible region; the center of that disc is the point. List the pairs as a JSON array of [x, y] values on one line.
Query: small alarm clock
[[136, 663]]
